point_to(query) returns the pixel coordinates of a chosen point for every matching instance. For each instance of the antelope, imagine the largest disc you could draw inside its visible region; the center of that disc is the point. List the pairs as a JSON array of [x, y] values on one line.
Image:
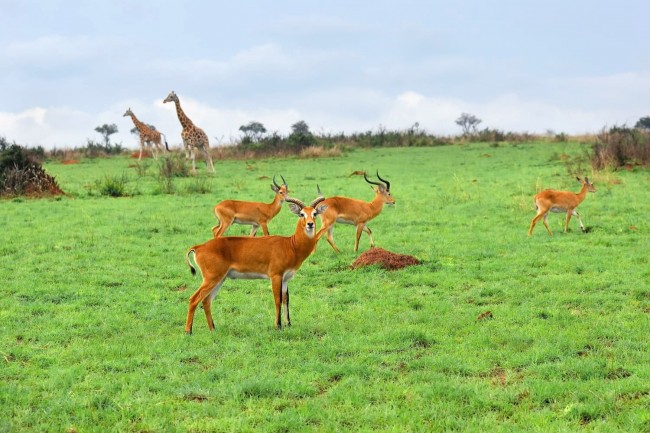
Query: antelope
[[248, 212], [277, 258], [551, 200], [356, 212]]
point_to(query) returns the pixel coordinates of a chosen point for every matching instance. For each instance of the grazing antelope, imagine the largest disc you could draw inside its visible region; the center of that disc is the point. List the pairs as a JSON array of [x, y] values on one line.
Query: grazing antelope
[[277, 258], [356, 212], [249, 212], [551, 200]]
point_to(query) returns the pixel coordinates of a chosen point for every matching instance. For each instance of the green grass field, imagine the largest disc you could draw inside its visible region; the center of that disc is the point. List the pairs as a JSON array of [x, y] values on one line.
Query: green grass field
[[95, 292]]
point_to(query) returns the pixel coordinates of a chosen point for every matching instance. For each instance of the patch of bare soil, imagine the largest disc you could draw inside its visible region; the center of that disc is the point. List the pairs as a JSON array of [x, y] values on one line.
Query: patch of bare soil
[[385, 259]]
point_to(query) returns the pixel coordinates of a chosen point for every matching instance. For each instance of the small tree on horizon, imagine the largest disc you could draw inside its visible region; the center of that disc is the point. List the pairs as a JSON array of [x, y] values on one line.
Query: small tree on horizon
[[106, 131], [468, 122], [253, 132], [643, 123]]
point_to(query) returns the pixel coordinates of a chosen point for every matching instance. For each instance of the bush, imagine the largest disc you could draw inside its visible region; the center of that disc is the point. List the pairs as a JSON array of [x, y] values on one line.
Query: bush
[[621, 146], [21, 172], [113, 186]]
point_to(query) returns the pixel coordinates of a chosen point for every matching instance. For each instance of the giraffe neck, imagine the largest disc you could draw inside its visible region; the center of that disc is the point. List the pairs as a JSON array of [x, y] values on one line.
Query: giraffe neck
[[185, 121], [137, 122]]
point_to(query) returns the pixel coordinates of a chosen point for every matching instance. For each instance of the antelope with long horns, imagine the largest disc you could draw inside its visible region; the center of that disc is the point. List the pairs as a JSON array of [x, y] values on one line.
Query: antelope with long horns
[[551, 200], [277, 258], [249, 212], [346, 210]]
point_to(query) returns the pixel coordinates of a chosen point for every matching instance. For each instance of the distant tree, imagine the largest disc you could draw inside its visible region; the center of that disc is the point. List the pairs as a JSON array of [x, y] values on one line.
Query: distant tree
[[300, 135], [643, 123], [253, 131], [468, 122], [106, 131]]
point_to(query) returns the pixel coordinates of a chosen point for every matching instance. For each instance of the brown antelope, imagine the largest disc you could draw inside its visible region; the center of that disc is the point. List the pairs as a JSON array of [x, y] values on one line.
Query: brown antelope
[[249, 212], [356, 212], [551, 200], [277, 258]]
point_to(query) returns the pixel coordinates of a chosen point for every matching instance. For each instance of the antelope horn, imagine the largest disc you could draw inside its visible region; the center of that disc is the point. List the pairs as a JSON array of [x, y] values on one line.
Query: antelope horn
[[295, 201], [284, 181], [370, 181], [317, 202], [384, 180], [275, 183], [320, 194]]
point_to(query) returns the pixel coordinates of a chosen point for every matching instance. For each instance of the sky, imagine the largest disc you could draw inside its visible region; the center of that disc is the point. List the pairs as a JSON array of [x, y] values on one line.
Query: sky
[[572, 66]]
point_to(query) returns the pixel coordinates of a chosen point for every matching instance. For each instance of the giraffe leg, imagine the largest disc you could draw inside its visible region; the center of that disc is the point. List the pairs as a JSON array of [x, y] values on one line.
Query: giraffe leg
[[209, 159]]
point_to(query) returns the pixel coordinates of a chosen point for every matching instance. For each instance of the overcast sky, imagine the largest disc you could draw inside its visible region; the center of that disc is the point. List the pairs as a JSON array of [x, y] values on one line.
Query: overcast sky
[[341, 66]]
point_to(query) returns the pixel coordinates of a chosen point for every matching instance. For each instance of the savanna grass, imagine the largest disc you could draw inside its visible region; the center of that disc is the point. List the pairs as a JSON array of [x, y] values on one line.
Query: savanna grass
[[96, 289]]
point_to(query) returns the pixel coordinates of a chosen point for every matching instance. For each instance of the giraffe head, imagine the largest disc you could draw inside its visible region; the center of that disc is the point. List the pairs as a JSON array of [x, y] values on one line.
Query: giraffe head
[[128, 113], [171, 97]]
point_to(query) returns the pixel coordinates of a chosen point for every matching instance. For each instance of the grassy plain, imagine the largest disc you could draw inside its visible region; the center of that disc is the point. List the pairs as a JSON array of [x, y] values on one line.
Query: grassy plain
[[95, 290]]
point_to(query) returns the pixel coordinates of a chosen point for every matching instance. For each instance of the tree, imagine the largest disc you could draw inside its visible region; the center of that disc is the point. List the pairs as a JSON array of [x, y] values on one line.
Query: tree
[[300, 135], [643, 123], [253, 131], [468, 122], [300, 127], [106, 131]]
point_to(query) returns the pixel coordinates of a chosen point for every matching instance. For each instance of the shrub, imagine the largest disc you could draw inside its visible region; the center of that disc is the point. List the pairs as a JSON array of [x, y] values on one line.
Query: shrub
[[113, 186], [621, 146], [21, 172]]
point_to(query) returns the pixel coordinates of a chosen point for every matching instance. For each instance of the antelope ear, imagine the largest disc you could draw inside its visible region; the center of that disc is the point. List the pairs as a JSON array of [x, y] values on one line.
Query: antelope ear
[[294, 208], [320, 209], [275, 188], [579, 180]]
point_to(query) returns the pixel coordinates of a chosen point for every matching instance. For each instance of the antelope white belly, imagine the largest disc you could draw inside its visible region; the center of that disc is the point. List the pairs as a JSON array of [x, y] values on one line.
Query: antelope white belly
[[244, 222], [235, 275], [558, 209], [344, 221]]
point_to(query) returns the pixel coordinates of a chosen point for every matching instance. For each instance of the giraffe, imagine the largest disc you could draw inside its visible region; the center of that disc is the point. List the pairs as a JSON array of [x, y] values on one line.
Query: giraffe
[[194, 138], [148, 136]]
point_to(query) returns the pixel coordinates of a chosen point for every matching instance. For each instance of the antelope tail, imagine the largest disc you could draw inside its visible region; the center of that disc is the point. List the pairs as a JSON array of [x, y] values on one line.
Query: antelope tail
[[187, 259]]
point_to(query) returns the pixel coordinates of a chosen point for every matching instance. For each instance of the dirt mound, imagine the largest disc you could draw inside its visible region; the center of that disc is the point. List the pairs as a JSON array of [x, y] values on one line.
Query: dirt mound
[[145, 154], [385, 259]]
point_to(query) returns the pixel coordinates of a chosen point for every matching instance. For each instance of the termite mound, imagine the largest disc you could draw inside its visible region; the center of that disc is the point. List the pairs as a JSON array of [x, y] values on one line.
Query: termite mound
[[385, 259]]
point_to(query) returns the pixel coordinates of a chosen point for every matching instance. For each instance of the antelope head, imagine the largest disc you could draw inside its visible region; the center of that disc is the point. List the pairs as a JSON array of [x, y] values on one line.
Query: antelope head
[[307, 214], [383, 188], [281, 190], [585, 181]]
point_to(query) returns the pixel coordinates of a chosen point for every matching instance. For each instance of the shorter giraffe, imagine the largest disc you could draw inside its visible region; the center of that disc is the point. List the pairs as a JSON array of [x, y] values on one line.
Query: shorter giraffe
[[148, 136], [194, 138]]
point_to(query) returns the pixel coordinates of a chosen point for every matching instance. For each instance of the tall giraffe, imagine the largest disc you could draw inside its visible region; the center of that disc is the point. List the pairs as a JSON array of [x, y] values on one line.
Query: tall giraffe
[[148, 136], [194, 138]]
